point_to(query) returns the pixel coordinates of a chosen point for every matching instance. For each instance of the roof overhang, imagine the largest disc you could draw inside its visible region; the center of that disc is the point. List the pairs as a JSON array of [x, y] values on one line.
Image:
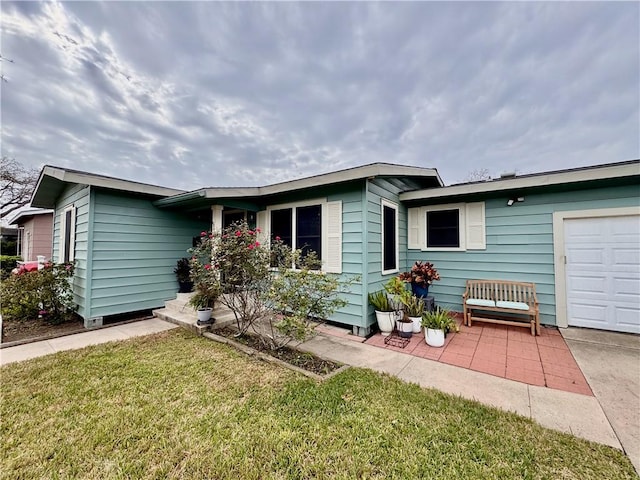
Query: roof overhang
[[53, 180], [424, 177], [583, 175], [24, 215]]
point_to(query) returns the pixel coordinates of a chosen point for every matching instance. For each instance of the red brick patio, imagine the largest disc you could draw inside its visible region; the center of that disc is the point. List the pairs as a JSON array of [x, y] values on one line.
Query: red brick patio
[[503, 351]]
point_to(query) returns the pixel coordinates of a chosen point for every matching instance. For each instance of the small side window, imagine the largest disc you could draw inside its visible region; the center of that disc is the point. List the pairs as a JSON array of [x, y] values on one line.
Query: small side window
[[389, 237], [443, 228]]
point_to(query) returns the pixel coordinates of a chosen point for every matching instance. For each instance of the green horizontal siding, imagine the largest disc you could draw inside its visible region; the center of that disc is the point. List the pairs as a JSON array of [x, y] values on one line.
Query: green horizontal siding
[[78, 196], [135, 247], [378, 189], [352, 255], [519, 244]]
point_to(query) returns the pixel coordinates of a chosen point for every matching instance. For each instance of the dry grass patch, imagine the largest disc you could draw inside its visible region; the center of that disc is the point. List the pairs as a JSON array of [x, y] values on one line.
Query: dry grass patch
[[173, 405]]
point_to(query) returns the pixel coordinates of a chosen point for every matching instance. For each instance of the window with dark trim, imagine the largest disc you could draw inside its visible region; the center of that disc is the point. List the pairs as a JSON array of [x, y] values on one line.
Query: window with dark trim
[[306, 235], [443, 228], [68, 216], [389, 238]]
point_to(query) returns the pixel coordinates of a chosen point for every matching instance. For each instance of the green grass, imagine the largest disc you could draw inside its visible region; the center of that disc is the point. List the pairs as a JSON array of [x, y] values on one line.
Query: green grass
[[174, 405]]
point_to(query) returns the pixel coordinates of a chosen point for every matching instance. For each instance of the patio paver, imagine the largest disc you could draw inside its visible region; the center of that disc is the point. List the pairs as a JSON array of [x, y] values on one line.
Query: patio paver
[[503, 351]]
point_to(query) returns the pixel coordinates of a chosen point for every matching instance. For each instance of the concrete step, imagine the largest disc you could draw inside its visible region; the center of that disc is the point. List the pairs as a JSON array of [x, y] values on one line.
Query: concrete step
[[188, 318], [179, 306]]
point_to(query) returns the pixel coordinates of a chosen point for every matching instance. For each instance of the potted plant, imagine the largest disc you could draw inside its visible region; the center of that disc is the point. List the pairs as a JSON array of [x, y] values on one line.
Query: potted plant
[[203, 300], [414, 308], [400, 296], [183, 275], [436, 325], [385, 312], [421, 275]]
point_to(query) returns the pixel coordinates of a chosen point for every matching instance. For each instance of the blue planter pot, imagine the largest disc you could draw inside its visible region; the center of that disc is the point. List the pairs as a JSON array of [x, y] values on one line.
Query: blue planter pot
[[420, 290]]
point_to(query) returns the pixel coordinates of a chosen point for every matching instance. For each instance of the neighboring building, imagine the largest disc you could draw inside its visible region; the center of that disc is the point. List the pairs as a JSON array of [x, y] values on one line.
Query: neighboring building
[[35, 233], [575, 233]]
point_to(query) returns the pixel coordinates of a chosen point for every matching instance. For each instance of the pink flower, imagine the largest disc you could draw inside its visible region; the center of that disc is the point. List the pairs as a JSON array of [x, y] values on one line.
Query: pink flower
[[257, 244], [258, 230], [203, 234], [42, 312], [250, 232], [277, 238], [251, 246], [238, 233], [207, 266], [225, 236], [211, 235], [68, 267]]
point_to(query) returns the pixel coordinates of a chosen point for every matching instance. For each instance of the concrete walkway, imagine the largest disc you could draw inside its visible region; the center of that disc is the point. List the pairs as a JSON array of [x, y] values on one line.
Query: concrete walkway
[[611, 364], [580, 415], [84, 339]]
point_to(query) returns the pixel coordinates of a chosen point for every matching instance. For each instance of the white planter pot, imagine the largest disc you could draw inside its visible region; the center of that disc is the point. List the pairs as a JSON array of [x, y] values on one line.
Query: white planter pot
[[405, 329], [386, 322], [416, 324], [434, 338], [204, 315]]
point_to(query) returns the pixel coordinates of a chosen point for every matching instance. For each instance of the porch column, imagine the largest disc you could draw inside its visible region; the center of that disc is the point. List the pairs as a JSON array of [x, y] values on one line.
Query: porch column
[[216, 218]]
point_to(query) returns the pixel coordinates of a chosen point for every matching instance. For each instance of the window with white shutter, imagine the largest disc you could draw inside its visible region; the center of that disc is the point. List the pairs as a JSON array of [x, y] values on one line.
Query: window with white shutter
[[451, 227], [313, 225]]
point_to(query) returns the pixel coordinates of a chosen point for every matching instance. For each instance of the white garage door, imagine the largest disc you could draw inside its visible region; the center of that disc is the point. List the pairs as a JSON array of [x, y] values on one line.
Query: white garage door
[[603, 272]]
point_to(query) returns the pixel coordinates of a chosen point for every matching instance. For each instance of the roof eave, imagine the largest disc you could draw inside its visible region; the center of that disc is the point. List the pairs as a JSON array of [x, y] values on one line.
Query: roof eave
[[605, 172], [54, 178]]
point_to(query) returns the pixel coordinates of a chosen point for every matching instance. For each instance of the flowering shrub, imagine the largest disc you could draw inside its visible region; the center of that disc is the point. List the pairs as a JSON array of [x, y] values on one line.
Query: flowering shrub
[[422, 273], [46, 293], [259, 287], [234, 263]]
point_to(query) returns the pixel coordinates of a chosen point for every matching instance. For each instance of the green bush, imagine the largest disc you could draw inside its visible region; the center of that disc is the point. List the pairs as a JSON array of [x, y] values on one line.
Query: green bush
[[8, 263], [45, 293]]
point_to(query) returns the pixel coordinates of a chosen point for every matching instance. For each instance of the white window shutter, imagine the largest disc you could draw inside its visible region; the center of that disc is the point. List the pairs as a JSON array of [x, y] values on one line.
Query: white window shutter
[[413, 221], [475, 226], [263, 225], [333, 241]]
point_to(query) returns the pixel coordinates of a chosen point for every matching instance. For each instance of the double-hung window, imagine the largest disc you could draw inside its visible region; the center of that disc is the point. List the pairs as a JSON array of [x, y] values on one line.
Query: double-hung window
[[299, 228], [308, 226]]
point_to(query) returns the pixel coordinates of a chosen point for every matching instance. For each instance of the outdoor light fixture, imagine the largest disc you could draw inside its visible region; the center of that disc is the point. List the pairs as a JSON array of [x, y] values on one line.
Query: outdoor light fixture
[[513, 200]]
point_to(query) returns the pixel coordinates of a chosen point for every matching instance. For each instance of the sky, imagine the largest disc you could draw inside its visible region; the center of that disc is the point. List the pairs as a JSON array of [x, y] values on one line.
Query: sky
[[195, 94]]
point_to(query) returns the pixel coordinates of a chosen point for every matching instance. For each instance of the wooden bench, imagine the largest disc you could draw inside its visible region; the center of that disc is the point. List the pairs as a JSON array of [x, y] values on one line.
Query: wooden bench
[[502, 297]]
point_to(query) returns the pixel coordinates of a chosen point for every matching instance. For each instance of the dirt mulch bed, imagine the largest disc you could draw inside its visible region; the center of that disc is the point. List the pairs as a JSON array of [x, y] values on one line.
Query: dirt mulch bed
[[15, 330], [304, 360]]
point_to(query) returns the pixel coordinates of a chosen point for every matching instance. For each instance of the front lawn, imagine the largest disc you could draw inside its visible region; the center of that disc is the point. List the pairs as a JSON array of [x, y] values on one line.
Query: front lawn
[[174, 405]]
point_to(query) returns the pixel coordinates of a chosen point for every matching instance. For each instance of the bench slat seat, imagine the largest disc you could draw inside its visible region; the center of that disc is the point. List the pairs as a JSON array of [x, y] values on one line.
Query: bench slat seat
[[500, 297]]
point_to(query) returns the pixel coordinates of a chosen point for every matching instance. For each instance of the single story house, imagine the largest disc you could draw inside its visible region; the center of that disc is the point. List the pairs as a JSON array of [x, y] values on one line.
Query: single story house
[[35, 230], [574, 233]]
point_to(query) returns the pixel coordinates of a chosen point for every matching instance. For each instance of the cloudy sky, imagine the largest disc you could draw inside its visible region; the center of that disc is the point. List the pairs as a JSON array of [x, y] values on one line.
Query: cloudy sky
[[224, 94]]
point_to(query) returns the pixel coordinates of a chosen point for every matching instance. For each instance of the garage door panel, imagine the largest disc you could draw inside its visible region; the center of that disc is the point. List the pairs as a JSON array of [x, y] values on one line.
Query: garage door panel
[[590, 312], [628, 319], [585, 257], [626, 257], [626, 288], [603, 272], [588, 286]]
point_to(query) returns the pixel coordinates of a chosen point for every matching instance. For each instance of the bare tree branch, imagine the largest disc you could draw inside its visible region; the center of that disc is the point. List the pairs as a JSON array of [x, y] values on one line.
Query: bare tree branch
[[16, 185]]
